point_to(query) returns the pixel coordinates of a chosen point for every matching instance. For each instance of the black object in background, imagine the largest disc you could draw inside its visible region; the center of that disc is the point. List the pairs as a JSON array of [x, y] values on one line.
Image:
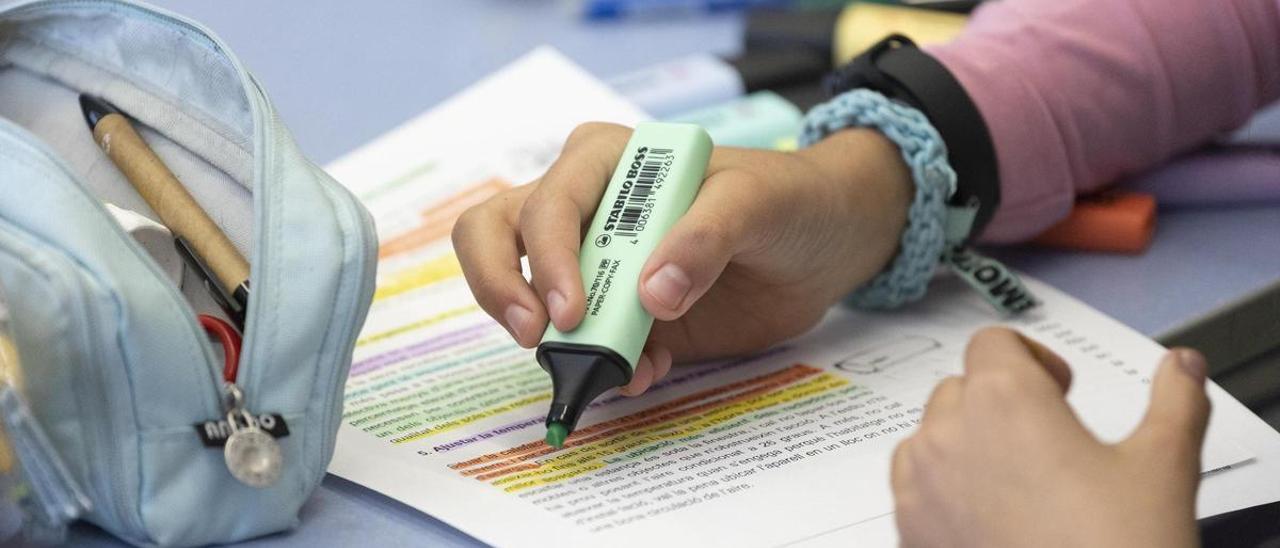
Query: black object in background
[[955, 6], [813, 30], [804, 96], [1256, 527], [775, 68]]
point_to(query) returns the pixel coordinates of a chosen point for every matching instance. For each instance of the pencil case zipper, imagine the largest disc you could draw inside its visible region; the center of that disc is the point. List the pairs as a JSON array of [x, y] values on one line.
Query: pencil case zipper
[[370, 245], [351, 214]]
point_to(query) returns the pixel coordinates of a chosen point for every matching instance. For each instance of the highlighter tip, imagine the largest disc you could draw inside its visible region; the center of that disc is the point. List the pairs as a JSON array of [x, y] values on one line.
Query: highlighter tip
[[556, 433]]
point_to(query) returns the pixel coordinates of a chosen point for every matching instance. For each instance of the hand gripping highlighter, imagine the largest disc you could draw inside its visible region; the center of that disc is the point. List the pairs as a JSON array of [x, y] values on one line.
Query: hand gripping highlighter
[[657, 178]]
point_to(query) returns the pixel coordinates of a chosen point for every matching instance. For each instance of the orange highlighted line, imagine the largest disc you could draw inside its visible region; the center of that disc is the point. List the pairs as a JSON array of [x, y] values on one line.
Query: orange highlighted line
[[677, 420], [655, 415], [438, 221], [678, 402]]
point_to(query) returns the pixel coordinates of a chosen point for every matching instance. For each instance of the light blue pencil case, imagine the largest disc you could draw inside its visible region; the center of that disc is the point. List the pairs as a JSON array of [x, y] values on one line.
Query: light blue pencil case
[[117, 369]]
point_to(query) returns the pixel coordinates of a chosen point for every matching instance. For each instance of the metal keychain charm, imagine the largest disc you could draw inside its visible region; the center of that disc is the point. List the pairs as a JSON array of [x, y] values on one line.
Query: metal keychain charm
[[252, 455]]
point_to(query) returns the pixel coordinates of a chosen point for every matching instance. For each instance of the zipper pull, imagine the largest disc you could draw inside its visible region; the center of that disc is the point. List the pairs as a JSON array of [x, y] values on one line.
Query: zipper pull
[[249, 446], [47, 493], [252, 455]]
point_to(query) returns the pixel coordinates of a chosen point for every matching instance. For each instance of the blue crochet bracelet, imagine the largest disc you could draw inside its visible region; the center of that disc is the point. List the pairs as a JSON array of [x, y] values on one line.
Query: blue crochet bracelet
[[935, 231]]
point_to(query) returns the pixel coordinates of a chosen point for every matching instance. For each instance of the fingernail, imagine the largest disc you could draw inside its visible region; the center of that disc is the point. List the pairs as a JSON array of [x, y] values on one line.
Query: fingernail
[[669, 285], [1192, 363], [517, 319], [556, 303]]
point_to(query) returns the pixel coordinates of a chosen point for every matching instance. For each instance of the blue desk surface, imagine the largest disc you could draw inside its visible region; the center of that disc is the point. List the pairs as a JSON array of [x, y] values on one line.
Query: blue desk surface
[[342, 73]]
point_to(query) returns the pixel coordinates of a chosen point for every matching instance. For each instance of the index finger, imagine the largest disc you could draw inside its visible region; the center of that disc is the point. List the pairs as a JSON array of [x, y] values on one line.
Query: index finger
[[999, 351], [487, 247], [552, 218]]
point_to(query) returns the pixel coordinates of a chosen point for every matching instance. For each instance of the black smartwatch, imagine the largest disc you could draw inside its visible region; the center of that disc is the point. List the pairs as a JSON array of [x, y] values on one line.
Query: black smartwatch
[[898, 69]]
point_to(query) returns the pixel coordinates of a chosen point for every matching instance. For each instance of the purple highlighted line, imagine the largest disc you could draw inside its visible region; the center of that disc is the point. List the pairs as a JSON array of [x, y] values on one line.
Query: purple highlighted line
[[674, 380], [453, 338]]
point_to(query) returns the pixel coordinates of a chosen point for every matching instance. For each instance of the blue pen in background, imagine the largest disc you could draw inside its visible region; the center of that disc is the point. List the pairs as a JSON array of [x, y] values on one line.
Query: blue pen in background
[[604, 10], [617, 9]]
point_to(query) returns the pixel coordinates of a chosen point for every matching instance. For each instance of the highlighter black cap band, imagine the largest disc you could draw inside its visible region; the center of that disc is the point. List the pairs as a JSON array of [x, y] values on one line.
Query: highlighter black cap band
[[579, 373], [902, 72]]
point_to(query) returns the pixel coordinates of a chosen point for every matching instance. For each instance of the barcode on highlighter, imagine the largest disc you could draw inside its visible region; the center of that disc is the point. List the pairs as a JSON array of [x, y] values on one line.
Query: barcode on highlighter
[[634, 211]]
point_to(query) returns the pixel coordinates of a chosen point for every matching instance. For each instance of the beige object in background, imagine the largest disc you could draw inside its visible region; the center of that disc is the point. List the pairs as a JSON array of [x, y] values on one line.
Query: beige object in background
[[861, 25]]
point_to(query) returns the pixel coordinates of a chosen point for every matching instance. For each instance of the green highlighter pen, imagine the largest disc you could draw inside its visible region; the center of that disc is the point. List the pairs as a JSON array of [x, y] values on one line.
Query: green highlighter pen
[[656, 181]]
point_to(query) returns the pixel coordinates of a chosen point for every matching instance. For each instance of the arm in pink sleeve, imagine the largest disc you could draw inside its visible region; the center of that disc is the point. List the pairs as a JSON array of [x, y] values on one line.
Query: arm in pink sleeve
[[1077, 93]]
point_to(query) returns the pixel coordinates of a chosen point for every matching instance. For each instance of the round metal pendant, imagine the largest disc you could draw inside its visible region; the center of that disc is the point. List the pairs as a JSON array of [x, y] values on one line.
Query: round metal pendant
[[253, 457]]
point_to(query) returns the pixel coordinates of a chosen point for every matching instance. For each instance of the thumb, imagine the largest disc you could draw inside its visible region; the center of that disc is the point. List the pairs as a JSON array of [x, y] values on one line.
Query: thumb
[[720, 223], [1179, 409]]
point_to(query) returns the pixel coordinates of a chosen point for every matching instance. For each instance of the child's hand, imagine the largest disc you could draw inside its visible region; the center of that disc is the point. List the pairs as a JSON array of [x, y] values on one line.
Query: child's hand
[[1000, 459], [772, 240]]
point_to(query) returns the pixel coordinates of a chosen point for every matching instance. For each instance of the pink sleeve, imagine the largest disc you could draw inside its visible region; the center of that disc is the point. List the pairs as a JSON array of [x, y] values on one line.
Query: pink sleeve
[[1077, 93]]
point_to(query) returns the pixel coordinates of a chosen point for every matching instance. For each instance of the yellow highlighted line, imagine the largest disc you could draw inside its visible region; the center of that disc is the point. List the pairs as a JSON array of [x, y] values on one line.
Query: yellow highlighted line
[[430, 272], [590, 458], [418, 324]]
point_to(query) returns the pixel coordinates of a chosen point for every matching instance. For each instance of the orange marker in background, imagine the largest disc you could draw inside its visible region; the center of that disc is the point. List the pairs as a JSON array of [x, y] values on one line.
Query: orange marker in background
[[1113, 221]]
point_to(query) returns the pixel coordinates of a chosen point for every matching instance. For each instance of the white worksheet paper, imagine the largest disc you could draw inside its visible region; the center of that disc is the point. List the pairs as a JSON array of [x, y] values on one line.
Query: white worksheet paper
[[444, 413]]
